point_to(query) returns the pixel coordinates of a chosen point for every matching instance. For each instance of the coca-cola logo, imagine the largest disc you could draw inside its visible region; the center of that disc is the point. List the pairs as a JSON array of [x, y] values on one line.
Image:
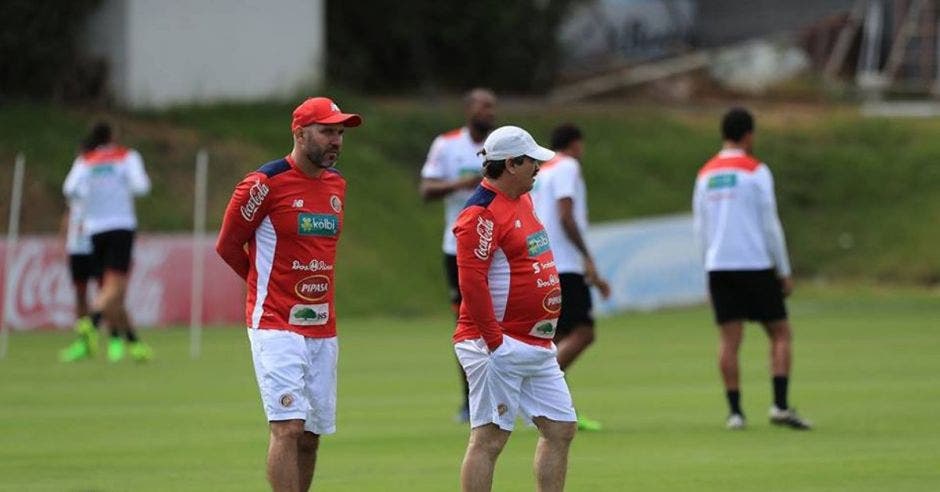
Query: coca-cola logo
[[552, 301], [485, 233], [313, 288], [256, 196]]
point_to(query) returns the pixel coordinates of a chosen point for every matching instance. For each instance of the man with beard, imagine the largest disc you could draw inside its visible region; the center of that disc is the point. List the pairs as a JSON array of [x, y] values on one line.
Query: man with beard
[[279, 233], [450, 173]]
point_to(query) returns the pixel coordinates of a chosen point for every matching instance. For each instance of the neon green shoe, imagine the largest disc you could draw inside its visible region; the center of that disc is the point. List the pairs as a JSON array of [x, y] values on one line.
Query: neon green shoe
[[87, 332], [77, 351], [115, 350], [589, 425], [141, 352]]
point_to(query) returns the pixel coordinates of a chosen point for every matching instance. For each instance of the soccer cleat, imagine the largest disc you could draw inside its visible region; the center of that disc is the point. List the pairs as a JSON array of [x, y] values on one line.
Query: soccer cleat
[[788, 418], [589, 425], [141, 352], [736, 421], [77, 351], [88, 333], [116, 349]]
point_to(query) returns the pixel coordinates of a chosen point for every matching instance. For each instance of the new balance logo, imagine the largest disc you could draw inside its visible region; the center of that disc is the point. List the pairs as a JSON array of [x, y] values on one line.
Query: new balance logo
[[299, 203]]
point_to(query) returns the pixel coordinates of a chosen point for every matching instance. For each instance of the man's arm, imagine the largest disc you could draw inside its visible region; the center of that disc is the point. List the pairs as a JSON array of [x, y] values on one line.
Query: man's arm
[[570, 226], [136, 175], [773, 230], [435, 184], [698, 220], [476, 241], [244, 212], [73, 180]]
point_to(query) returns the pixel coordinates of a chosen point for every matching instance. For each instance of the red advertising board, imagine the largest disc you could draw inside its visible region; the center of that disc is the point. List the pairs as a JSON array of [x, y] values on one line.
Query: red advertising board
[[159, 292]]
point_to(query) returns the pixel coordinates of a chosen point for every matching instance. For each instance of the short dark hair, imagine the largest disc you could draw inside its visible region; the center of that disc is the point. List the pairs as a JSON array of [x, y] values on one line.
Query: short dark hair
[[736, 123], [494, 169], [564, 135], [99, 135]]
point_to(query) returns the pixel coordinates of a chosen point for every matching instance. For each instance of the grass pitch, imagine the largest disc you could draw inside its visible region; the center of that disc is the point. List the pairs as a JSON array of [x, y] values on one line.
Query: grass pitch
[[866, 372]]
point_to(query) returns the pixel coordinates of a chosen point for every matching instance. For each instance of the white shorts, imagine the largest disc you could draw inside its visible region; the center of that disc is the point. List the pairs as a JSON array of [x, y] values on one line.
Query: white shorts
[[297, 377], [517, 378]]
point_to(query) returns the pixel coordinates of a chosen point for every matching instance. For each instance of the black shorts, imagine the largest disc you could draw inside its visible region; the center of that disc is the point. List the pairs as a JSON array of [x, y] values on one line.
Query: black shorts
[[755, 295], [576, 304], [113, 249], [83, 268], [453, 284]]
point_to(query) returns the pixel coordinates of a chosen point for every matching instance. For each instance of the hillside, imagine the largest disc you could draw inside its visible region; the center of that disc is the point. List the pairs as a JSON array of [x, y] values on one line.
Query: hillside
[[858, 197]]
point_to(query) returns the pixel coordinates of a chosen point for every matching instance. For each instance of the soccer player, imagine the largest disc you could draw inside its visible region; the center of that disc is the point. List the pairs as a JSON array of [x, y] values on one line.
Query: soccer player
[[280, 233], [450, 173], [560, 198], [80, 251], [105, 179], [745, 254], [510, 308]]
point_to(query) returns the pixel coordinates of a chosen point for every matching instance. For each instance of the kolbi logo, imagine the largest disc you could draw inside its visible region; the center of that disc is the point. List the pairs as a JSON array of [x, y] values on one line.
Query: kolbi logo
[[326, 225], [720, 181], [485, 232], [537, 243], [313, 288], [256, 195]]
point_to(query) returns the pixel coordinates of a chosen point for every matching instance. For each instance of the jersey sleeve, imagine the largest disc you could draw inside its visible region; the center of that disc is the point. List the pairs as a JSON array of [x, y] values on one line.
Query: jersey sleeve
[[773, 230], [566, 179], [477, 234], [136, 175], [698, 218], [434, 164], [72, 184], [246, 209]]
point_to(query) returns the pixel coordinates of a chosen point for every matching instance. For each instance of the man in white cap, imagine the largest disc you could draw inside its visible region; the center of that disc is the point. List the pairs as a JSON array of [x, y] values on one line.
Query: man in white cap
[[511, 303]]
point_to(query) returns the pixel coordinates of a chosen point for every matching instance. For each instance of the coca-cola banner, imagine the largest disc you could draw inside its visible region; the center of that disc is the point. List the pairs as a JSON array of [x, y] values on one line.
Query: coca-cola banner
[[159, 292]]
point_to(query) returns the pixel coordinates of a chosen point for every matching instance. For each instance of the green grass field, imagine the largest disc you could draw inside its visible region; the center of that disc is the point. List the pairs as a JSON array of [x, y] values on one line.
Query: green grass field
[[866, 371]]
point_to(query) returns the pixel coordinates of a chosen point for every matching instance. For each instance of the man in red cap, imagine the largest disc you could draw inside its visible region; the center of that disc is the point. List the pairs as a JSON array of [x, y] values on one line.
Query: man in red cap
[[279, 233]]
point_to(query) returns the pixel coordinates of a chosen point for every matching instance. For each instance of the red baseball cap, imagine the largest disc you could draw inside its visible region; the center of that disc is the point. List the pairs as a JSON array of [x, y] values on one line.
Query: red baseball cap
[[324, 111]]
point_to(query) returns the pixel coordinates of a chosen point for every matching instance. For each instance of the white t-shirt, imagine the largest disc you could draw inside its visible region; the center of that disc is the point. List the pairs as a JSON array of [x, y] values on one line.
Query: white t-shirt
[[561, 178], [106, 180], [735, 215], [453, 155], [76, 241]]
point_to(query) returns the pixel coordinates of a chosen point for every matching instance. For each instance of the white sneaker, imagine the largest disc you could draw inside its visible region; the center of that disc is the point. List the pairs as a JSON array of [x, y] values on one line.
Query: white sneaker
[[735, 422], [788, 418]]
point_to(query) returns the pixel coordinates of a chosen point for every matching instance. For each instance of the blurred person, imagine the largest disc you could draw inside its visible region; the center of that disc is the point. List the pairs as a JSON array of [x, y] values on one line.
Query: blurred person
[[511, 302], [80, 252], [560, 198], [280, 233], [451, 173], [745, 255], [104, 180]]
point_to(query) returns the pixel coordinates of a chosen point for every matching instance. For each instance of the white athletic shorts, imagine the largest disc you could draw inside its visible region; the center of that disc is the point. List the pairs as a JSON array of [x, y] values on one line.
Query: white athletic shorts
[[297, 377], [516, 379]]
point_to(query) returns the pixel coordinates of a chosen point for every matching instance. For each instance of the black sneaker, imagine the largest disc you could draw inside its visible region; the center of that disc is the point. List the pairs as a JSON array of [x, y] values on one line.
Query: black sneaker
[[789, 418]]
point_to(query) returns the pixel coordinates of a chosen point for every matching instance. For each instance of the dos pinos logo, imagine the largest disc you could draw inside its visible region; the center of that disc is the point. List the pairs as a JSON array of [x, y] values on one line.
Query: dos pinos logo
[[326, 225]]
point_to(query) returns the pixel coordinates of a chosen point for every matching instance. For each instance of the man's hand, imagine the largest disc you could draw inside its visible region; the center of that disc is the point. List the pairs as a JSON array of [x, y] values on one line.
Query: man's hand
[[594, 279], [786, 285]]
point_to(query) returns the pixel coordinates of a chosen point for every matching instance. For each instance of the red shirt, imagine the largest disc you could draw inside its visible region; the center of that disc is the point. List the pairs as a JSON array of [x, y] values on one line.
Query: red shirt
[[508, 279], [291, 224]]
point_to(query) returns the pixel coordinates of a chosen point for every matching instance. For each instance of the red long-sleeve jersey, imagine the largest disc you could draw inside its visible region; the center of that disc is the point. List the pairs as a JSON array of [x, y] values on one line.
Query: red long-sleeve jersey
[[291, 224], [507, 273]]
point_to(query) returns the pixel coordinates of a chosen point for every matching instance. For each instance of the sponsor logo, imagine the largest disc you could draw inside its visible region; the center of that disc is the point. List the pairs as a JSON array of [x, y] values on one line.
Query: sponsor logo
[[485, 231], [287, 400], [334, 108], [544, 328], [537, 267], [298, 203], [720, 181], [102, 169], [518, 224], [502, 409], [551, 282], [313, 266], [317, 225], [313, 288], [552, 301], [336, 204], [537, 243], [256, 196], [309, 314]]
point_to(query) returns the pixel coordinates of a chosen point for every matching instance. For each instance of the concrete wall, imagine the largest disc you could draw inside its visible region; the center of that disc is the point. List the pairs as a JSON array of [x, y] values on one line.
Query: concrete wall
[[170, 52]]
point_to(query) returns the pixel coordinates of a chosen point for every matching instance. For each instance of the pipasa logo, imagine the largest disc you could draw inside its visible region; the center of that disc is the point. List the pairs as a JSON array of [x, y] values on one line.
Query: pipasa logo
[[485, 232], [313, 288], [326, 225], [256, 196], [552, 301], [537, 243]]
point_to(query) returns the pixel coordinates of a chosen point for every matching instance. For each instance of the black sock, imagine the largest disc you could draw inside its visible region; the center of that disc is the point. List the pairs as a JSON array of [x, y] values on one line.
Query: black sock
[[780, 391], [96, 318], [734, 401], [130, 334]]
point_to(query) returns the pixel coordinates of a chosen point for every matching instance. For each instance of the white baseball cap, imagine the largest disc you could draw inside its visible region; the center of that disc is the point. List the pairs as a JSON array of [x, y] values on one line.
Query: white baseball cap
[[507, 142]]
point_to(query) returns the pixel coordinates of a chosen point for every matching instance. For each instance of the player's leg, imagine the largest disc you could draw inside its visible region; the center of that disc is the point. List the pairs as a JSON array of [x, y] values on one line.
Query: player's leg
[[486, 442], [728, 291], [453, 291], [319, 375], [781, 337], [86, 344], [282, 467], [575, 330], [731, 333], [307, 448], [551, 453]]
